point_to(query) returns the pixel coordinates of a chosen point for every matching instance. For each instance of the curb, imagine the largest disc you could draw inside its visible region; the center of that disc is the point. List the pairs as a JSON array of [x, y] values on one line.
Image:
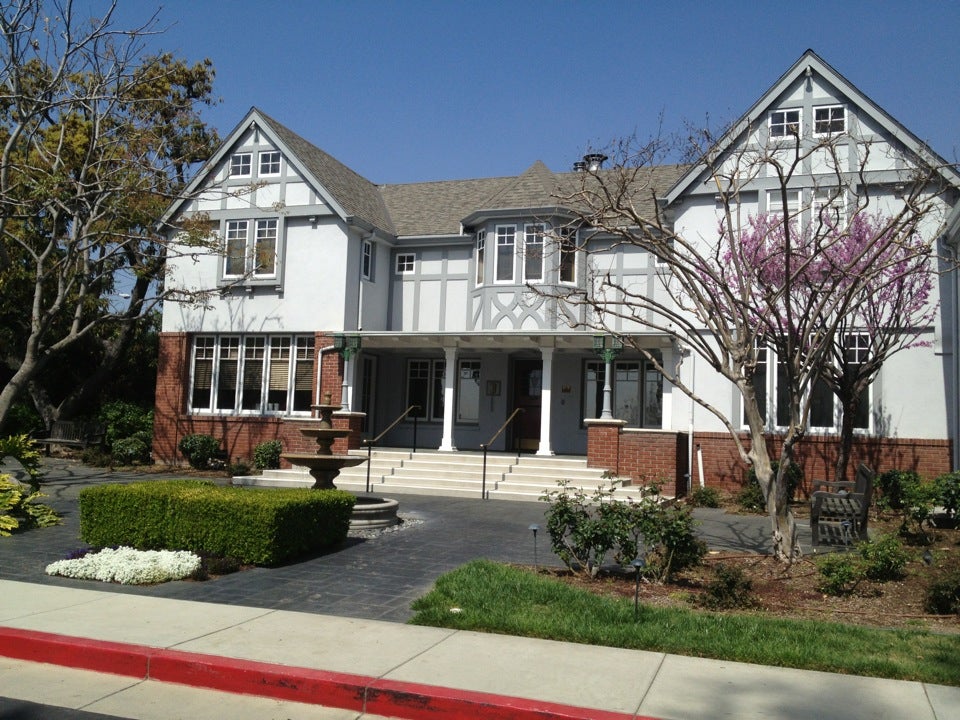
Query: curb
[[360, 693]]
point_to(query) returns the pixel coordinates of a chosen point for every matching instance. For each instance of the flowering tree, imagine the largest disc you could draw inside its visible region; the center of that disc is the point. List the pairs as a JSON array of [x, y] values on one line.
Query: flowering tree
[[786, 283]]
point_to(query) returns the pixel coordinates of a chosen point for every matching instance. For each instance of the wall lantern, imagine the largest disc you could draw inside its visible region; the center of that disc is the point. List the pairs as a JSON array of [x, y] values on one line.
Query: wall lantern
[[346, 345]]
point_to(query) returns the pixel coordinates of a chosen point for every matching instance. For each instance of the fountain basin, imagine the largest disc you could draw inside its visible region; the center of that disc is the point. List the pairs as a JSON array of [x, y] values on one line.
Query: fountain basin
[[371, 513]]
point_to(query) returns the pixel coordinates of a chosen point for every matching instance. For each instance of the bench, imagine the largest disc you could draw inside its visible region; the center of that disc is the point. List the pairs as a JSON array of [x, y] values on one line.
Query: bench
[[838, 515], [73, 434]]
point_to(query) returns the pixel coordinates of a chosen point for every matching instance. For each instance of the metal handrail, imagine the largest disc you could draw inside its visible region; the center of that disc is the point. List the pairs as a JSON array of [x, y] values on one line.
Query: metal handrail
[[370, 443], [486, 446]]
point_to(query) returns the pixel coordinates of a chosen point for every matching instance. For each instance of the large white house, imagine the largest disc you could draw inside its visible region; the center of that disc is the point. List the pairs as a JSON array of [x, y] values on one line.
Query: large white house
[[392, 296]]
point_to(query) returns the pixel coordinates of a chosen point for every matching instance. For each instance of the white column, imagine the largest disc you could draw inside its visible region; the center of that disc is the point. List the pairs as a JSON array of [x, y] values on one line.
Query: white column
[[346, 385], [449, 377], [546, 391]]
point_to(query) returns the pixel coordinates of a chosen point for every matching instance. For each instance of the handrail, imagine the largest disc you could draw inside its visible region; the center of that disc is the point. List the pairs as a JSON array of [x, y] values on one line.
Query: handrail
[[370, 443], [485, 446]]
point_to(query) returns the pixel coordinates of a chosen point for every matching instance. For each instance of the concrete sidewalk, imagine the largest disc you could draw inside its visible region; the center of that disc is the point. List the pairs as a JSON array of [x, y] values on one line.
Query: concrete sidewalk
[[388, 669]]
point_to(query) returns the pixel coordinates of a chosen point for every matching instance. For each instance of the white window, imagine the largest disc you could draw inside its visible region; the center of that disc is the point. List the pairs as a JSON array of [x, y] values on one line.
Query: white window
[[468, 391], [532, 253], [255, 254], [405, 263], [270, 162], [568, 255], [829, 120], [480, 255], [775, 203], [636, 392], [425, 388], [255, 374], [506, 247], [240, 165], [829, 207], [366, 260], [784, 123]]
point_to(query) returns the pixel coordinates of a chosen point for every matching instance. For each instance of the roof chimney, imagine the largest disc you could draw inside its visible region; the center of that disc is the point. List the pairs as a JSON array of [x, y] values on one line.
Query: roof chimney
[[594, 161], [579, 166]]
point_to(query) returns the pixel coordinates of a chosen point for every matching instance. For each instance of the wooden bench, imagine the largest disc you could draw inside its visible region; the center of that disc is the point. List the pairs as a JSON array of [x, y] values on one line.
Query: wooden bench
[[73, 434], [838, 515]]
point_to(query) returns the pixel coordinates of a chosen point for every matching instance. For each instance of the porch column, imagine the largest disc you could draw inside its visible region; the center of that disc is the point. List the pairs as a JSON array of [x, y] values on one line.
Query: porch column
[[449, 377], [546, 389]]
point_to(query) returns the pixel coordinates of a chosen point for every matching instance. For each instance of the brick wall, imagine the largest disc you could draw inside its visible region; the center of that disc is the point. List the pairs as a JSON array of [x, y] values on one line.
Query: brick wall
[[644, 456]]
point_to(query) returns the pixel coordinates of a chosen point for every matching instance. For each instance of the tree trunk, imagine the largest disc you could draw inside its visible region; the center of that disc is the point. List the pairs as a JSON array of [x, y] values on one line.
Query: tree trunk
[[785, 546], [846, 442]]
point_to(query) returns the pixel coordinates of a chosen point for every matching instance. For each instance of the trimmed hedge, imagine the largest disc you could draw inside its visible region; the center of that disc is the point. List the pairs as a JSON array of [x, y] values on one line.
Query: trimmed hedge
[[260, 526]]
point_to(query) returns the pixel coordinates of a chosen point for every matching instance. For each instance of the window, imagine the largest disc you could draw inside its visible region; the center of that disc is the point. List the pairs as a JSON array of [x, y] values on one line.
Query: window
[[775, 203], [425, 388], [828, 206], [468, 391], [481, 255], [858, 352], [405, 263], [240, 165], [636, 392], [270, 163], [506, 245], [252, 374], [568, 255], [257, 256], [532, 253], [829, 120], [366, 260], [784, 123]]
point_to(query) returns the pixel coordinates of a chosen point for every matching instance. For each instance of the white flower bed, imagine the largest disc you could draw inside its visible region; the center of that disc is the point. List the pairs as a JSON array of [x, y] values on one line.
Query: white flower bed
[[128, 566]]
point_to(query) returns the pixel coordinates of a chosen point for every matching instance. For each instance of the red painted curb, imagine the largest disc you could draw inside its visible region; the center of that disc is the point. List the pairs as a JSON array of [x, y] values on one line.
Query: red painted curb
[[360, 693]]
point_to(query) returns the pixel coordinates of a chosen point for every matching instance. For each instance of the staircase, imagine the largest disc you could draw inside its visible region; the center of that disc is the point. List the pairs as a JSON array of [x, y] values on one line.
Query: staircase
[[458, 474]]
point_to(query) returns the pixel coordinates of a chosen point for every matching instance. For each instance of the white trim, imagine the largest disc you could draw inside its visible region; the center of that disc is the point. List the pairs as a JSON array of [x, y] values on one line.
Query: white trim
[[238, 157], [512, 228], [785, 123], [279, 163], [529, 230], [402, 261], [830, 120]]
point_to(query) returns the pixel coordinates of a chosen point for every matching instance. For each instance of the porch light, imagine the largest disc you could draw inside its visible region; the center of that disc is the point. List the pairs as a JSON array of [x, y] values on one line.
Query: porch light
[[607, 347], [346, 345]]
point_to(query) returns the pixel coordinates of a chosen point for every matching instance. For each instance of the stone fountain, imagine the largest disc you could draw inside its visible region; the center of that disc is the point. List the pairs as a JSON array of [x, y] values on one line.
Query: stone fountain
[[324, 466]]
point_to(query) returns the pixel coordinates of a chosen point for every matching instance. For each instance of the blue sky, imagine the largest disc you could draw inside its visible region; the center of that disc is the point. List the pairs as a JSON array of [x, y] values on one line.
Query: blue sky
[[417, 91]]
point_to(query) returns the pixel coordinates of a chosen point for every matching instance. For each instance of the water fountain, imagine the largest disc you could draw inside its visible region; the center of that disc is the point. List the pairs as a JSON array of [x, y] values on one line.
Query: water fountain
[[324, 466]]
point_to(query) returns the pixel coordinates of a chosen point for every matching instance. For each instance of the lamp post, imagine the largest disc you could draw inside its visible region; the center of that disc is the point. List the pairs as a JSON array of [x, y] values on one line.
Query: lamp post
[[533, 529], [348, 346], [607, 347]]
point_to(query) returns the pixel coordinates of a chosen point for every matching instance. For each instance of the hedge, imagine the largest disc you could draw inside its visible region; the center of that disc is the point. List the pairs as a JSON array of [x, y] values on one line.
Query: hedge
[[261, 526]]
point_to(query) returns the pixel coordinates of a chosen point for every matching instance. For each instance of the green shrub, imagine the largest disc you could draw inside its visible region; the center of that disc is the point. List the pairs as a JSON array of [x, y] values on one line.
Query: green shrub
[[750, 498], [130, 451], [26, 452], [96, 457], [126, 420], [257, 525], [238, 468], [905, 493], [943, 596], [266, 455], [708, 497], [884, 559], [947, 490], [729, 589], [840, 573], [19, 509], [199, 450]]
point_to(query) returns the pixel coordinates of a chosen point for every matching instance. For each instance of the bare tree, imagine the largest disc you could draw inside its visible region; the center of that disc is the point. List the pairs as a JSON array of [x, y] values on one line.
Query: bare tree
[[96, 139], [780, 285]]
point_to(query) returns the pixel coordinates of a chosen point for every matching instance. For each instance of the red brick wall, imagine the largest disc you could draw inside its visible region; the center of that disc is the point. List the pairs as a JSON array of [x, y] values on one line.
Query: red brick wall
[[645, 456]]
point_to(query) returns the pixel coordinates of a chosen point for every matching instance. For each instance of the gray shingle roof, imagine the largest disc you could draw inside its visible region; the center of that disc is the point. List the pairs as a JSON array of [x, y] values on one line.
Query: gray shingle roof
[[436, 208]]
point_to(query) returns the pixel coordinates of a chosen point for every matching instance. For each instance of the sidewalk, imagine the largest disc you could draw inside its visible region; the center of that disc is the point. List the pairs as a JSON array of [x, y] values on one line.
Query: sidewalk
[[370, 667]]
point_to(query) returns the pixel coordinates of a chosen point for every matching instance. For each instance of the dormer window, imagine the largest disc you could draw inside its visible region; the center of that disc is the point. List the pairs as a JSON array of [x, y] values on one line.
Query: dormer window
[[240, 164], [270, 163], [784, 123], [829, 120]]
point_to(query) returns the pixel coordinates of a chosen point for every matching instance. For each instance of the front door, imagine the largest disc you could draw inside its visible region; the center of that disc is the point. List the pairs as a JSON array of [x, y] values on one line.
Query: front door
[[527, 384]]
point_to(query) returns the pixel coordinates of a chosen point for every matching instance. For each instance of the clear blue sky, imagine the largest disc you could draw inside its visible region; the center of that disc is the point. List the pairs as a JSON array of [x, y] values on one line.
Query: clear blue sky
[[416, 91]]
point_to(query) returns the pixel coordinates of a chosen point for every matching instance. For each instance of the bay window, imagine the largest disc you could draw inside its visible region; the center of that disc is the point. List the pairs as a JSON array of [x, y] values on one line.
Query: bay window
[[251, 248], [506, 246], [533, 253]]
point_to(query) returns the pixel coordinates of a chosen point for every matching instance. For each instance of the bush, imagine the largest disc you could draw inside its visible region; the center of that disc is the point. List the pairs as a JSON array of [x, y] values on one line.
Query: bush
[[25, 451], [23, 420], [884, 559], [943, 596], [729, 589], [707, 497], [126, 422], [96, 457], [750, 497], [130, 451], [19, 509], [840, 573], [266, 455], [199, 450], [947, 491], [903, 492], [238, 468]]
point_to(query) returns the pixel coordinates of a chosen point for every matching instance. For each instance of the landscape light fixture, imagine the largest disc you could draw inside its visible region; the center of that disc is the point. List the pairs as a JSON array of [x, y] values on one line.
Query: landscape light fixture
[[637, 564], [533, 528]]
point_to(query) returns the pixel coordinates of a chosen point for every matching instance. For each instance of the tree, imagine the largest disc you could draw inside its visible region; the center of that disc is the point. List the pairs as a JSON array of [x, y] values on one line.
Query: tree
[[97, 139], [780, 286]]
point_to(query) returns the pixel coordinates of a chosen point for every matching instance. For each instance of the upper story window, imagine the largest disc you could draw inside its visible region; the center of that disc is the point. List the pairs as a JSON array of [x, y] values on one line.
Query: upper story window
[[251, 248], [366, 260], [775, 203], [829, 206], [533, 253], [829, 120], [784, 123], [240, 164], [405, 263], [568, 255], [506, 247], [480, 255], [270, 162]]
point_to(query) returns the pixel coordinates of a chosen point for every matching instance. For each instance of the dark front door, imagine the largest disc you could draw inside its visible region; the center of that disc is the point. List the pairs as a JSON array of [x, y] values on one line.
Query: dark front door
[[527, 377]]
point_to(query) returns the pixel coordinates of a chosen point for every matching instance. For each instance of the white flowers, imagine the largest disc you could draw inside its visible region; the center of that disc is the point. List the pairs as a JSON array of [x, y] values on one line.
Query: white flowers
[[128, 566]]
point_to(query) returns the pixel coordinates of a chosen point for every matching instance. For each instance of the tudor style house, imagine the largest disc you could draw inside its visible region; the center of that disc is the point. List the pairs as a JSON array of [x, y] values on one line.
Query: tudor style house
[[392, 297]]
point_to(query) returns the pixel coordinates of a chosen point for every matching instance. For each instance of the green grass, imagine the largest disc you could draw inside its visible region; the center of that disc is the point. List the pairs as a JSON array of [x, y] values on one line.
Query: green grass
[[488, 597]]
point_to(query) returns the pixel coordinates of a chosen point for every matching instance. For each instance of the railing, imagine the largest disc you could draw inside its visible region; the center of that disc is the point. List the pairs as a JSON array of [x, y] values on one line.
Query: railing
[[370, 443], [486, 446]]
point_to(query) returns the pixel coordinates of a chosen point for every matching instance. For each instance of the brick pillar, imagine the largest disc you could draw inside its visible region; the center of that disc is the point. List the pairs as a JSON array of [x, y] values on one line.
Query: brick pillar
[[352, 421], [170, 400], [603, 444]]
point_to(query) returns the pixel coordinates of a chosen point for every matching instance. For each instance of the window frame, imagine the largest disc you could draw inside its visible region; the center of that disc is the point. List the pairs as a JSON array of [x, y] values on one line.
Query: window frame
[[431, 409], [642, 366], [567, 247], [780, 130], [239, 161], [480, 256], [533, 234], [474, 367], [503, 233], [366, 260], [405, 264], [832, 200], [817, 133], [266, 157]]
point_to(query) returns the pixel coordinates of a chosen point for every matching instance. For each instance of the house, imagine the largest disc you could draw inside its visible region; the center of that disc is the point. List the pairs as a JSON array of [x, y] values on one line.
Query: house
[[413, 302]]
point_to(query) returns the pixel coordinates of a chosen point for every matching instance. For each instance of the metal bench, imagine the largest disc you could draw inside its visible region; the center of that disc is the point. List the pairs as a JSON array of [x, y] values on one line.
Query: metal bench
[[838, 515], [73, 434]]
